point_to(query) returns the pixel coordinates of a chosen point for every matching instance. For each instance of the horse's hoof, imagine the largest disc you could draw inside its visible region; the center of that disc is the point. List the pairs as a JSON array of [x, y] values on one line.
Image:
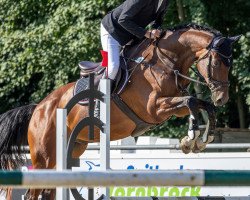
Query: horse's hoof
[[200, 144], [185, 147], [196, 149], [210, 139]]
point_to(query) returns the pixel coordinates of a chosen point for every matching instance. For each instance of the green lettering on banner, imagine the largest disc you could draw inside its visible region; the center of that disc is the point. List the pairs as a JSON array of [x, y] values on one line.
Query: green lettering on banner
[[130, 191], [140, 192], [120, 192], [185, 191], [155, 191], [174, 192], [111, 191], [195, 191], [152, 191], [162, 191]]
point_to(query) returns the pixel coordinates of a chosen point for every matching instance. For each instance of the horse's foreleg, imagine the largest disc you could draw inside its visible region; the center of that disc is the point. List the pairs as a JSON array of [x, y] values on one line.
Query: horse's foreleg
[[182, 106], [208, 135], [188, 143], [9, 193]]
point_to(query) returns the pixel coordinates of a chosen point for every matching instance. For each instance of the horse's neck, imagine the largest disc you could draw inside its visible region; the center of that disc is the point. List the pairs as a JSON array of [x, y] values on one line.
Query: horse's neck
[[151, 81], [188, 46]]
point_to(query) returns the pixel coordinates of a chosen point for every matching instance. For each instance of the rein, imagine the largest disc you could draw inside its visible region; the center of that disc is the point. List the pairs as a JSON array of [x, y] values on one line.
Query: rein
[[140, 60], [177, 72]]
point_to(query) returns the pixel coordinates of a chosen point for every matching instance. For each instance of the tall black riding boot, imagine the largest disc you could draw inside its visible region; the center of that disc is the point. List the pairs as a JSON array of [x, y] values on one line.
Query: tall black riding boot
[[112, 86]]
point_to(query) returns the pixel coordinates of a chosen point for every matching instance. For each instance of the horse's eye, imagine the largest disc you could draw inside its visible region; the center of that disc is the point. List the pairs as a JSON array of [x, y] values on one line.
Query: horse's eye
[[216, 63]]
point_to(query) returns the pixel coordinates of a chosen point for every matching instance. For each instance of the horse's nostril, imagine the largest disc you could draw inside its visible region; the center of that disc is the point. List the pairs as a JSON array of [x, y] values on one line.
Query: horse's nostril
[[219, 102]]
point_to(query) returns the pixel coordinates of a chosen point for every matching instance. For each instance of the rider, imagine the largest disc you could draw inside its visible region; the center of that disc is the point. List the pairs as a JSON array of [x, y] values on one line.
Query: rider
[[127, 22]]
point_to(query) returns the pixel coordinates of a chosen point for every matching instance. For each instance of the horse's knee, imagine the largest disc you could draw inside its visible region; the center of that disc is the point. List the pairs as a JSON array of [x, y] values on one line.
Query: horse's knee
[[191, 102]]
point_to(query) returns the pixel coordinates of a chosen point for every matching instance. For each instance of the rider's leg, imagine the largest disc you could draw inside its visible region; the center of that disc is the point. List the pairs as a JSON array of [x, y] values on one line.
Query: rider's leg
[[113, 48]]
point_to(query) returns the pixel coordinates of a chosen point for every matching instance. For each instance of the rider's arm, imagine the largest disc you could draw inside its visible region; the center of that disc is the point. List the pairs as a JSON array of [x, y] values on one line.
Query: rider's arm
[[158, 22], [126, 20], [160, 17]]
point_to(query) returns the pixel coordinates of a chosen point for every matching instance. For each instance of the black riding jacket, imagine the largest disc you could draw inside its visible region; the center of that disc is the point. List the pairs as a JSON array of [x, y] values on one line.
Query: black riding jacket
[[129, 20]]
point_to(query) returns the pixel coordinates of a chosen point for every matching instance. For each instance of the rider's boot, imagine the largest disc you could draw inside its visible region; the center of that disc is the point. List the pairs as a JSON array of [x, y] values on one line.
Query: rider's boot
[[112, 86]]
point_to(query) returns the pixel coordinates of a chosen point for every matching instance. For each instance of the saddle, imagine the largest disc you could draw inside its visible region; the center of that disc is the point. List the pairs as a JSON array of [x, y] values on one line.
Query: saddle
[[87, 67]]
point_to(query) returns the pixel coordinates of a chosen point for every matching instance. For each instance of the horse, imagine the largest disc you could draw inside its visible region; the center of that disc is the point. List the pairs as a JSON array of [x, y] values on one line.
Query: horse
[[155, 92]]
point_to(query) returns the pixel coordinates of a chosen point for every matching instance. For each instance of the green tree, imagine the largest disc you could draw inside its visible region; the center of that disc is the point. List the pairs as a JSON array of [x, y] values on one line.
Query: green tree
[[42, 41], [234, 19]]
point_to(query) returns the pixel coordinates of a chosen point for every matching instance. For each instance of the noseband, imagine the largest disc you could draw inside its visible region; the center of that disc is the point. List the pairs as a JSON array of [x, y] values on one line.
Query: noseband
[[213, 84]]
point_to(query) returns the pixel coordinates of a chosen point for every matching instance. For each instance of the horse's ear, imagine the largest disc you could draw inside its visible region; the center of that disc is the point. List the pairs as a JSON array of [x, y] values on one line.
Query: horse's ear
[[235, 38], [219, 41]]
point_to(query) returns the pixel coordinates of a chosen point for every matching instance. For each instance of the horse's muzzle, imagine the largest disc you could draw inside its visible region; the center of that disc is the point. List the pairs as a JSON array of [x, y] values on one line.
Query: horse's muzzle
[[220, 98]]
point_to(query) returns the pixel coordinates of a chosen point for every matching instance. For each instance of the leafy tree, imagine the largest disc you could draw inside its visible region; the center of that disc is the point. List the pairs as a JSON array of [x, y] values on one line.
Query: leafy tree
[[234, 19], [42, 41]]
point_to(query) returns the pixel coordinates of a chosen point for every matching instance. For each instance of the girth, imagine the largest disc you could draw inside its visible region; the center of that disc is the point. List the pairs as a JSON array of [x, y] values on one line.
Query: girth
[[141, 125]]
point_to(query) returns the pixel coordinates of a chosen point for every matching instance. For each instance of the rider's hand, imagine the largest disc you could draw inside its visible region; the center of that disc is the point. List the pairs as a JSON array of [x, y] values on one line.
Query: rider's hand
[[153, 34], [156, 33]]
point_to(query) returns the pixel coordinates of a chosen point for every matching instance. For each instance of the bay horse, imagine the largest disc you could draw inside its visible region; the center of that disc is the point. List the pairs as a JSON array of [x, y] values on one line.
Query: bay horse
[[154, 92]]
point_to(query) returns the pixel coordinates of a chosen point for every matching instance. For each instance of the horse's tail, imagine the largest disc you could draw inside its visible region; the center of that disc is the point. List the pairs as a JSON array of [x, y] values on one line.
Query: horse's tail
[[13, 134]]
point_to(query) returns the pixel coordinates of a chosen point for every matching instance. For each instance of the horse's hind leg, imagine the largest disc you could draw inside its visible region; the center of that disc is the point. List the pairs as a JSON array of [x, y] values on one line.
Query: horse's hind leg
[[49, 163], [33, 194], [9, 194]]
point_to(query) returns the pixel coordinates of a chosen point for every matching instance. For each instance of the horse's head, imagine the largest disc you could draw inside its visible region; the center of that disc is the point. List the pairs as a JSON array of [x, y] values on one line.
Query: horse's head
[[214, 64]]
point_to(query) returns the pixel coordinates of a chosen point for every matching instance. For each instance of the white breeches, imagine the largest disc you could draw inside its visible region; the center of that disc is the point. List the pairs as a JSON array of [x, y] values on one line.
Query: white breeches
[[113, 48]]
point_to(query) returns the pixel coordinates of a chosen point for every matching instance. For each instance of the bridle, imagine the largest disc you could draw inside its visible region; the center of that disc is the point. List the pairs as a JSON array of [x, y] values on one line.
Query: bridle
[[213, 84]]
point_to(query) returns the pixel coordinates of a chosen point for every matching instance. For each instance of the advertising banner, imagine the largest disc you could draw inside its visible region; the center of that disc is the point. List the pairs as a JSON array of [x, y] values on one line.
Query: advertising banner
[[160, 160]]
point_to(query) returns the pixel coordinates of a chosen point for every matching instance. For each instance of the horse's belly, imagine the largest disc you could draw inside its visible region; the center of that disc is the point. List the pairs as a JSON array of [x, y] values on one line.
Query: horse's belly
[[121, 126]]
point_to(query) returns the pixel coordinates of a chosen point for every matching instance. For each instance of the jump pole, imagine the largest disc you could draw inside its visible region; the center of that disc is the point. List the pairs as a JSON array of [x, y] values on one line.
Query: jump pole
[[72, 179]]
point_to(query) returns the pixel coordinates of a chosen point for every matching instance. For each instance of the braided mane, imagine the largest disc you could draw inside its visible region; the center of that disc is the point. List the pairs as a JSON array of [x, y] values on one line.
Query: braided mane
[[196, 27]]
